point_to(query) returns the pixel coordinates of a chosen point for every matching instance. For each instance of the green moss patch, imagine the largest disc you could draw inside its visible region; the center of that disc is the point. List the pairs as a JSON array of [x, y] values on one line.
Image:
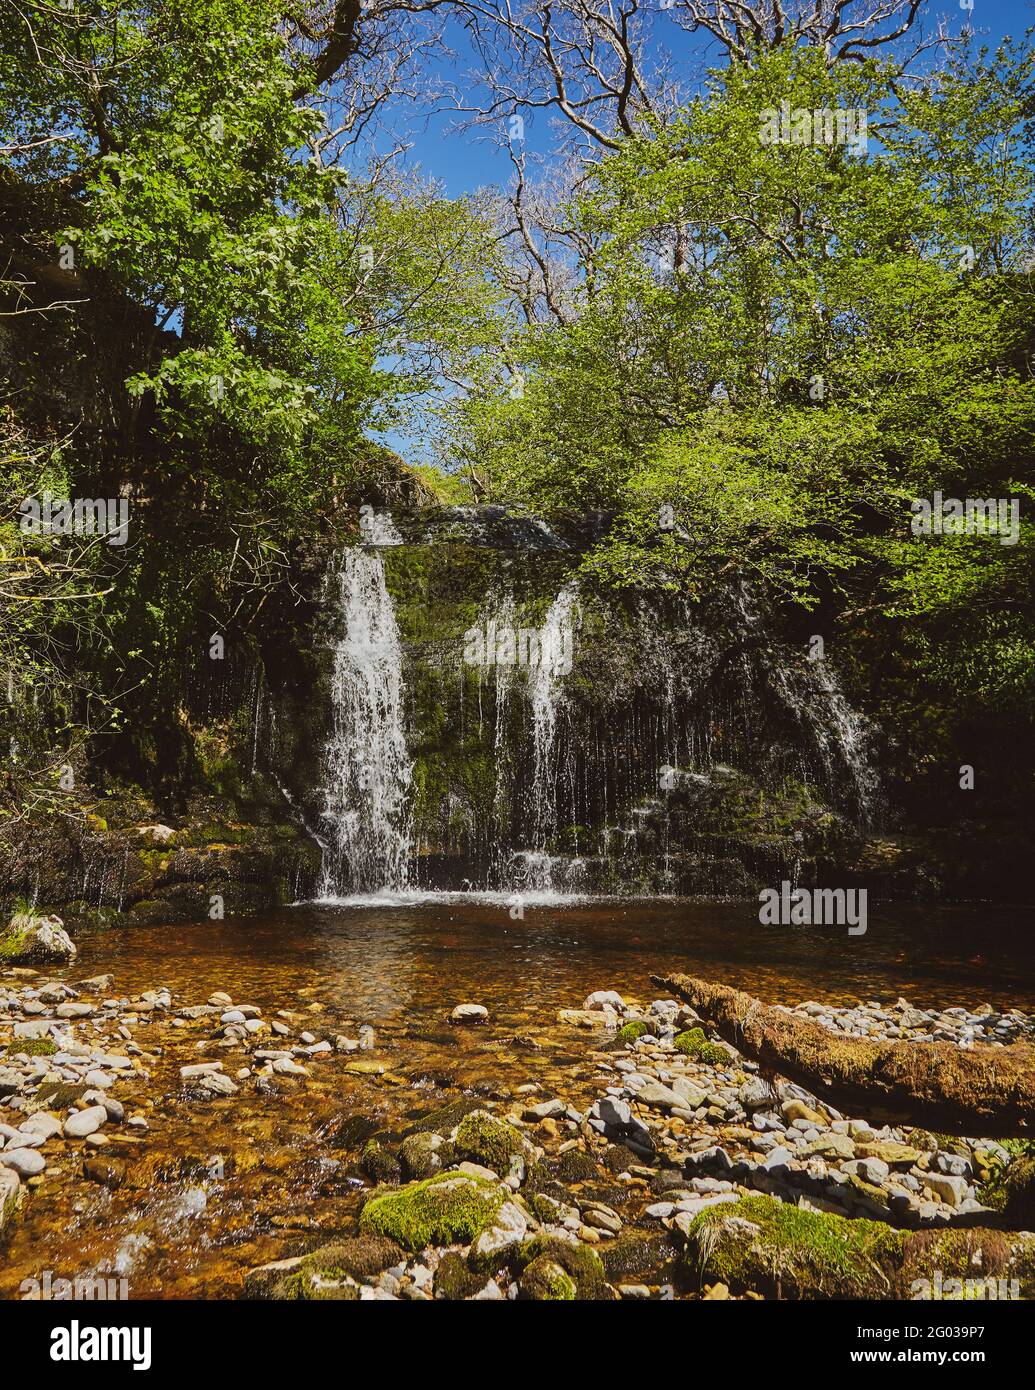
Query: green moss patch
[[631, 1031], [446, 1209], [33, 1047], [581, 1263], [484, 1139], [546, 1280], [693, 1043]]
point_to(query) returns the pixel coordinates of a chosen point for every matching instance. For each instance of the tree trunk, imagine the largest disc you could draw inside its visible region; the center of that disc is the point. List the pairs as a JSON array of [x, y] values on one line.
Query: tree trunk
[[979, 1091]]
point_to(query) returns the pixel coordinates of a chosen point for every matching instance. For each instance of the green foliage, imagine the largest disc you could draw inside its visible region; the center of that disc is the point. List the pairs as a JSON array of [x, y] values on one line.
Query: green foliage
[[238, 316], [769, 350]]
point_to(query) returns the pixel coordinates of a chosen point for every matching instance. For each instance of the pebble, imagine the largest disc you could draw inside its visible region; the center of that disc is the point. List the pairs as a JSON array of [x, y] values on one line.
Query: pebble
[[27, 1163], [469, 1013], [85, 1122]]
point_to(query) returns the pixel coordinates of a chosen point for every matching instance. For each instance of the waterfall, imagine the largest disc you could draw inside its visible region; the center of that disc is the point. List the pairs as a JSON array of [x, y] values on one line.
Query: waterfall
[[501, 820], [844, 737], [838, 737], [545, 690], [368, 771]]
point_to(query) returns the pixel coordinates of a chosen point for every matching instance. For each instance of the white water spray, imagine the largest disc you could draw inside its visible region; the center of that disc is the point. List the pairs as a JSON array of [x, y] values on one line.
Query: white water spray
[[545, 690], [368, 770]]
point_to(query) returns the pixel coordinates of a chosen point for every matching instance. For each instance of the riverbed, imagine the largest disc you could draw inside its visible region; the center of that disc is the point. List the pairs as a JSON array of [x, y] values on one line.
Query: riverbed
[[215, 1187]]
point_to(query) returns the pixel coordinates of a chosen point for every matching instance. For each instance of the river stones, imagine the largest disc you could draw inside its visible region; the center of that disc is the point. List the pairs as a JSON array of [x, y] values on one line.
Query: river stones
[[27, 1163], [469, 1013], [604, 999], [85, 1122]]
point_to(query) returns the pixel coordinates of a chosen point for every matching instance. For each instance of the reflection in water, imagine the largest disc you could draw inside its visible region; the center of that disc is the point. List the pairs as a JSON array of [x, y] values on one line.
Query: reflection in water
[[393, 955]]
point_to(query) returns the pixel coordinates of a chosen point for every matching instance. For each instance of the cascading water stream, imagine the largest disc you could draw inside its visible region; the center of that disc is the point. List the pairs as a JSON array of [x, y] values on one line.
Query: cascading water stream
[[368, 769], [545, 691]]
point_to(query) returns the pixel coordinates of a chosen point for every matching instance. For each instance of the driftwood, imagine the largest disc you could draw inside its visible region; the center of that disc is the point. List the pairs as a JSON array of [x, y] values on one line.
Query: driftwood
[[980, 1091]]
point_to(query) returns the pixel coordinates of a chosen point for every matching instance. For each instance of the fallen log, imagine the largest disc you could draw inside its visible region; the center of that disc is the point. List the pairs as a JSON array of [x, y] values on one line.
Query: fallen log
[[979, 1091]]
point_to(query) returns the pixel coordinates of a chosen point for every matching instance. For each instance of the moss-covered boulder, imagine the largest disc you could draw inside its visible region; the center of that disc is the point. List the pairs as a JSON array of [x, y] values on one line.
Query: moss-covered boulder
[[631, 1031], [447, 1209], [579, 1262], [379, 1164], [486, 1139], [455, 1280], [952, 1254], [425, 1154], [333, 1271], [787, 1251], [35, 939], [545, 1279]]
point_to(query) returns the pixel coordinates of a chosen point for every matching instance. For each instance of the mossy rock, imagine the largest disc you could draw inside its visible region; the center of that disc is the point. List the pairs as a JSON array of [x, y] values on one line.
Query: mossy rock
[[1019, 1192], [581, 1263], [694, 1044], [379, 1165], [444, 1120], [33, 1047], [455, 1280], [358, 1257], [447, 1209], [577, 1166], [786, 1251], [485, 1139], [954, 1254], [641, 1253], [631, 1031], [425, 1154], [308, 1286], [546, 1281]]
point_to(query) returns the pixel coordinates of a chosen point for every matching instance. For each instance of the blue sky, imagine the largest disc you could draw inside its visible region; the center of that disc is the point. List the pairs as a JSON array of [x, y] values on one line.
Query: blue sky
[[466, 161]]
